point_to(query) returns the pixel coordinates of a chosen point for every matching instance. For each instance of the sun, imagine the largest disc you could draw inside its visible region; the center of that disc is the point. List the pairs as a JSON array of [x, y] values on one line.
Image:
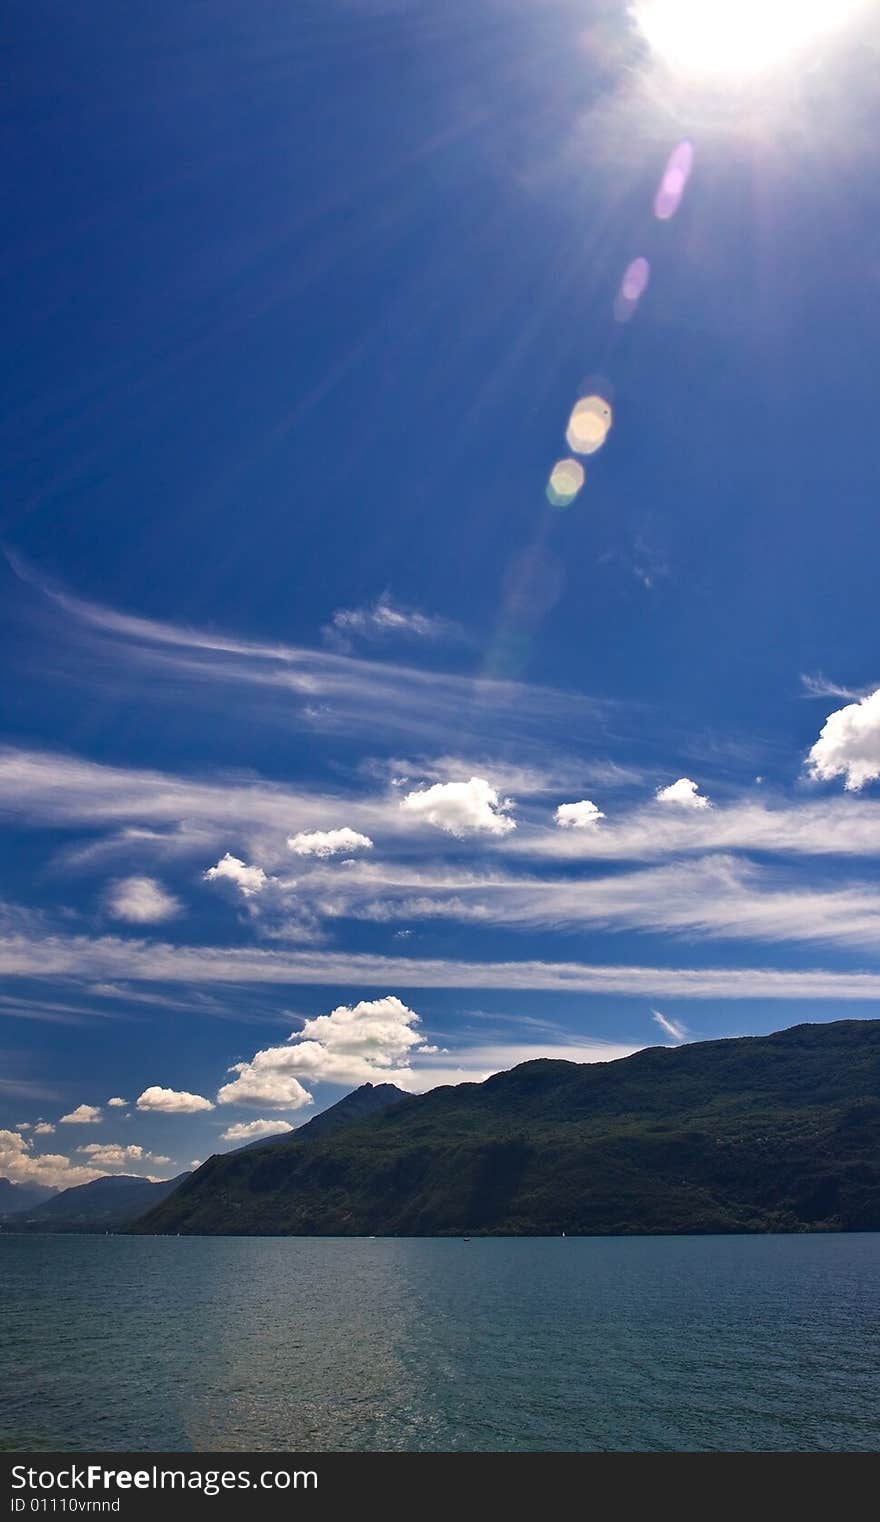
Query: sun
[[736, 38]]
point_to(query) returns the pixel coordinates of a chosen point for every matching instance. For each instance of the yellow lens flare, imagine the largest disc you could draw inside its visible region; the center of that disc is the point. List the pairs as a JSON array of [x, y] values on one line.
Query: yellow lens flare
[[588, 425], [566, 480]]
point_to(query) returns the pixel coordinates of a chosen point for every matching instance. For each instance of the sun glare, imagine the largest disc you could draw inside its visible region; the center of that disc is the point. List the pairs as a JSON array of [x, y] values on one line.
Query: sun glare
[[736, 38]]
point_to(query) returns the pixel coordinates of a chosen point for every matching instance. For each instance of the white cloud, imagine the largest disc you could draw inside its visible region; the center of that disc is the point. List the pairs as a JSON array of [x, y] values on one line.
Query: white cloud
[[172, 1101], [577, 816], [844, 826], [43, 1128], [83, 1115], [264, 1082], [141, 901], [473, 1064], [56, 956], [24, 1125], [113, 1156], [250, 880], [684, 792], [382, 620], [116, 1103], [328, 690], [195, 1162], [369, 1042], [329, 842], [673, 1028], [818, 686], [21, 1165], [719, 896], [250, 1130], [556, 773], [461, 808], [849, 745]]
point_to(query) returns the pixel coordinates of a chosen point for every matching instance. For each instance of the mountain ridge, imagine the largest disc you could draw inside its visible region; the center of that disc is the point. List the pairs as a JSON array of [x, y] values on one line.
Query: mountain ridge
[[363, 1101], [104, 1203], [15, 1197], [762, 1133]]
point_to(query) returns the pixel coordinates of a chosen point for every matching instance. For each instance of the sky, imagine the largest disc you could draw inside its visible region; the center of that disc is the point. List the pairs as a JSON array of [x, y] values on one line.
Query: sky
[[438, 612]]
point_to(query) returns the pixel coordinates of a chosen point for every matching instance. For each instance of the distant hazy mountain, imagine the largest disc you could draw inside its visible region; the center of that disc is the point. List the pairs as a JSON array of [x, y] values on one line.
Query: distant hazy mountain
[[104, 1204], [21, 1196], [355, 1106], [771, 1133]]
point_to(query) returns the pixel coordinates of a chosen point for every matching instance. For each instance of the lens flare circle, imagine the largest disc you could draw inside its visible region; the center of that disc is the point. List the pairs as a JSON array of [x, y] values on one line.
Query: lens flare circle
[[566, 480], [588, 425]]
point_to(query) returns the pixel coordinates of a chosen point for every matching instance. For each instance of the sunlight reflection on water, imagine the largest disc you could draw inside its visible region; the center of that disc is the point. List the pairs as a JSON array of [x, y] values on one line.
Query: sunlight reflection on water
[[268, 1344]]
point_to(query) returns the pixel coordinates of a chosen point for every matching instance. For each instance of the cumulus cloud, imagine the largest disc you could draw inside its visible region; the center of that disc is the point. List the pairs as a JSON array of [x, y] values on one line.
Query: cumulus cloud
[[577, 816], [249, 880], [266, 1082], [461, 808], [43, 1128], [172, 1101], [684, 792], [250, 1130], [849, 745], [113, 1156], [21, 1165], [141, 901], [369, 1042], [116, 1103], [329, 842], [673, 1028], [83, 1115]]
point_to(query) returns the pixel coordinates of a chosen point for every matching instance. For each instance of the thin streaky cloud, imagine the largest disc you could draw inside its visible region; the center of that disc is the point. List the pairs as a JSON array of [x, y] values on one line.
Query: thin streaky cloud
[[77, 957], [834, 826], [818, 686], [336, 691], [673, 1028], [719, 897]]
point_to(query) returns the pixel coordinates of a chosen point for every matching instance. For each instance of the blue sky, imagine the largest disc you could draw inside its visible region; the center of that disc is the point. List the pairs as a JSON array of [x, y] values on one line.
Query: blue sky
[[300, 662]]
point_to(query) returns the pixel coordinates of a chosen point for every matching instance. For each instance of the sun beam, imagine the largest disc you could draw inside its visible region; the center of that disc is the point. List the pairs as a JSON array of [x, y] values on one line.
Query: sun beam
[[736, 38]]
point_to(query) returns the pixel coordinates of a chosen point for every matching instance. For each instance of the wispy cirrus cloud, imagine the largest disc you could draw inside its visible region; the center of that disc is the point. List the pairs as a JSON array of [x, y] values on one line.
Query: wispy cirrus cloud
[[673, 1028], [46, 954], [383, 620], [333, 692], [721, 897], [830, 827], [816, 685]]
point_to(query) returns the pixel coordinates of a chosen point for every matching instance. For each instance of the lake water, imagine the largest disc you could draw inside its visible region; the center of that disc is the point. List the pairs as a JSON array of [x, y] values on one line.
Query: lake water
[[651, 1343]]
